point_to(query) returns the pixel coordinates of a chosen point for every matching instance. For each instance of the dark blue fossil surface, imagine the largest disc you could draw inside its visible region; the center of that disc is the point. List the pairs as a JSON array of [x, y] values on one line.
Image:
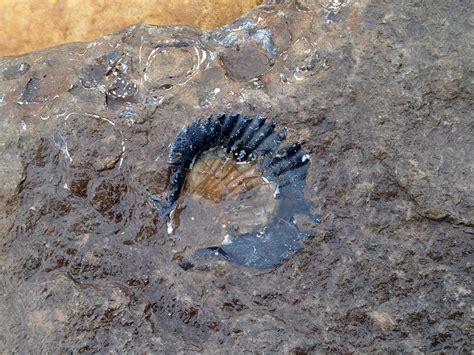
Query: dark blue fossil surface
[[240, 164]]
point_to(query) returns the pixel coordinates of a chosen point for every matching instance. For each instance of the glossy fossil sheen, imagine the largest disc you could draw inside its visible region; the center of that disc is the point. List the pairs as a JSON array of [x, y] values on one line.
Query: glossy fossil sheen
[[235, 191], [217, 176], [221, 198]]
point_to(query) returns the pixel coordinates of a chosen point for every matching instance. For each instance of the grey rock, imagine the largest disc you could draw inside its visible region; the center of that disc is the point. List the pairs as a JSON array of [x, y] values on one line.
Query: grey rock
[[382, 93]]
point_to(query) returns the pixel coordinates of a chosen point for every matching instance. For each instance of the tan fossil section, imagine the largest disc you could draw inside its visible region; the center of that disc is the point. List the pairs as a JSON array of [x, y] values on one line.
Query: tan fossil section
[[218, 177], [29, 25], [221, 197]]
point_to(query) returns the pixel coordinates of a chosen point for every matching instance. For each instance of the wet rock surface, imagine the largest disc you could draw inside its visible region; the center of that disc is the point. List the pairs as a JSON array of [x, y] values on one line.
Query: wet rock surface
[[382, 94], [255, 186]]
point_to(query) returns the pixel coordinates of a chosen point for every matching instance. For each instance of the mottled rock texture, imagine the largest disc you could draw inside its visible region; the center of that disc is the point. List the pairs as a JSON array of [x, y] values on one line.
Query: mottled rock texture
[[381, 91]]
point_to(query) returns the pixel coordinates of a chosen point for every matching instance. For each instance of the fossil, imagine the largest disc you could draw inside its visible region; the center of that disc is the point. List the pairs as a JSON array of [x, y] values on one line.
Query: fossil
[[235, 190]]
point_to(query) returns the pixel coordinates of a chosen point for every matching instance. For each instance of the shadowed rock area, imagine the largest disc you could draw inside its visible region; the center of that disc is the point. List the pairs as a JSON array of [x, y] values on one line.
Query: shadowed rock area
[[382, 94]]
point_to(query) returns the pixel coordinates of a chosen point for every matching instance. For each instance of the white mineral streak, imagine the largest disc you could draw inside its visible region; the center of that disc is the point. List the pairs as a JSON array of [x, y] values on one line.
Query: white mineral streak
[[276, 193], [170, 224], [201, 57], [123, 152], [85, 114], [170, 228], [102, 118], [227, 240], [63, 146], [148, 63]]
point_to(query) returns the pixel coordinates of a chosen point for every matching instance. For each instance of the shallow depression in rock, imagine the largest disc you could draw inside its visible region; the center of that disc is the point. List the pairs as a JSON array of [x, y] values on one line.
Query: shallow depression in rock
[[235, 191]]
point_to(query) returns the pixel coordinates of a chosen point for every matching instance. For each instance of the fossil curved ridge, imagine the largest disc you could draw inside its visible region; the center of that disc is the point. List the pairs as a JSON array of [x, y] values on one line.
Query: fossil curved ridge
[[240, 160]]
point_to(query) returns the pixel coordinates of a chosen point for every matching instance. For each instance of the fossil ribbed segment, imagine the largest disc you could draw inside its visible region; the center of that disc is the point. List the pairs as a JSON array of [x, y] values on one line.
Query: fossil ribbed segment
[[234, 191], [216, 176]]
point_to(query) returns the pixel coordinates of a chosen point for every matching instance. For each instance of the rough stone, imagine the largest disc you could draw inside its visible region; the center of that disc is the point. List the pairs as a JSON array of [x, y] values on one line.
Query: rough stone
[[382, 94]]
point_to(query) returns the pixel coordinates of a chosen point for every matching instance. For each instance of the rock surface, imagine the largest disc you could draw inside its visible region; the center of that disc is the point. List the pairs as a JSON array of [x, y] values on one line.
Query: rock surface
[[382, 93]]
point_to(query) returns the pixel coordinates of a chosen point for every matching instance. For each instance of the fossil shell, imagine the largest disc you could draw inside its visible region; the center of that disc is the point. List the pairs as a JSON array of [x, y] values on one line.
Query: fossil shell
[[234, 191], [222, 197], [216, 176]]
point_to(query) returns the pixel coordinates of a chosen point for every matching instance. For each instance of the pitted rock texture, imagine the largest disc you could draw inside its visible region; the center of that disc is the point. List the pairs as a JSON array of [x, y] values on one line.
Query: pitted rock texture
[[381, 92]]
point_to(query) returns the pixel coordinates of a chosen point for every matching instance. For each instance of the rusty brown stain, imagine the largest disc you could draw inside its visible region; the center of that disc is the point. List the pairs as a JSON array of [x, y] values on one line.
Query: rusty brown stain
[[31, 25]]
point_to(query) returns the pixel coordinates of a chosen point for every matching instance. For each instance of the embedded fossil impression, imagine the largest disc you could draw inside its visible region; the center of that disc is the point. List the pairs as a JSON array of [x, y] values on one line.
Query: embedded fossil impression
[[235, 191]]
